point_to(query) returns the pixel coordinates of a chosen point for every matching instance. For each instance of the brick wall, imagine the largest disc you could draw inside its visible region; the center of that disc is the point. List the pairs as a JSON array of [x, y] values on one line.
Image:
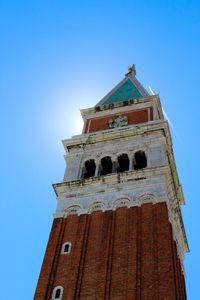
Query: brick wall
[[122, 254], [134, 117]]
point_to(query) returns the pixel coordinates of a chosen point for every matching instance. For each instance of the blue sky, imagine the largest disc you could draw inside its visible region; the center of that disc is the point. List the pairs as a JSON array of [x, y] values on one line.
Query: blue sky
[[57, 57]]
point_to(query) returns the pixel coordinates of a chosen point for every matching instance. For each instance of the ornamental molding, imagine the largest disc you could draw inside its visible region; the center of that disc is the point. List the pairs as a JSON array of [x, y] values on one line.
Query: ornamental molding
[[134, 104], [72, 208], [132, 132], [120, 202], [108, 186], [100, 204], [96, 204], [115, 199], [82, 186], [146, 196], [98, 154]]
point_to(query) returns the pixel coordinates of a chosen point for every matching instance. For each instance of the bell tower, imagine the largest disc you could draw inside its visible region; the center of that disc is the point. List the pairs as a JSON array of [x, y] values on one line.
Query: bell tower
[[118, 232]]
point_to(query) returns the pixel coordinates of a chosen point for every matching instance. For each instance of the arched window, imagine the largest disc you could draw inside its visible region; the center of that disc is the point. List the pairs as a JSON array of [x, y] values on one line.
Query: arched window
[[123, 162], [73, 209], [121, 202], [97, 205], [90, 168], [140, 160], [57, 293], [66, 248], [106, 166]]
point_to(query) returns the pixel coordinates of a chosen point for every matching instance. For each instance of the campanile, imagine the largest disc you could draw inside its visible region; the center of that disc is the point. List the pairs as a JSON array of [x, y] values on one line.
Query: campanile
[[118, 232]]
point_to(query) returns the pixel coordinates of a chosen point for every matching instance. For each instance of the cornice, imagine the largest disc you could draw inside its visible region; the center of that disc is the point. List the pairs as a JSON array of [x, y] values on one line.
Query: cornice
[[118, 110], [117, 133], [128, 145], [113, 185], [82, 186], [129, 105]]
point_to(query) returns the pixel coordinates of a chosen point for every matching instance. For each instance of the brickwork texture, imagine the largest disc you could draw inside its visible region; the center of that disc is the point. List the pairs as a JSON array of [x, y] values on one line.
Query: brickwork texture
[[124, 254]]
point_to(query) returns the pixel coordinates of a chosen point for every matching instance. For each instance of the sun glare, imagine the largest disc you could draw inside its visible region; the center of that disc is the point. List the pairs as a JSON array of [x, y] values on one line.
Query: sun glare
[[78, 124]]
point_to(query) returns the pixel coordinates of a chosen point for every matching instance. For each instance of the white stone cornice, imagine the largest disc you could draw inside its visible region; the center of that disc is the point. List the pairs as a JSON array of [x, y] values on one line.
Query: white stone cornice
[[94, 182], [82, 186], [128, 131], [129, 105], [117, 110]]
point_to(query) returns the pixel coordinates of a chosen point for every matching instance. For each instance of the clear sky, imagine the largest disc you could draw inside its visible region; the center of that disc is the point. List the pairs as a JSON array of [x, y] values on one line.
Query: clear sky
[[57, 57]]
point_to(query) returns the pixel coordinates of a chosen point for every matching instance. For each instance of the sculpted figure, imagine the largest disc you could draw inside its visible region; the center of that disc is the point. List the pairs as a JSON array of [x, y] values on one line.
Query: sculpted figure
[[118, 122]]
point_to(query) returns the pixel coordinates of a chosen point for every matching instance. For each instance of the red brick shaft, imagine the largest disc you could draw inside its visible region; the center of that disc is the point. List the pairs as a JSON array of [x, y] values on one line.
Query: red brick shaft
[[122, 254]]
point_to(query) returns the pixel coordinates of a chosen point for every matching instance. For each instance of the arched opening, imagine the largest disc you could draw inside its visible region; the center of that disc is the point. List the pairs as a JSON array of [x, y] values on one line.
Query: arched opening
[[57, 293], [74, 208], [123, 162], [106, 166], [121, 202], [66, 248], [140, 160], [90, 168], [97, 205]]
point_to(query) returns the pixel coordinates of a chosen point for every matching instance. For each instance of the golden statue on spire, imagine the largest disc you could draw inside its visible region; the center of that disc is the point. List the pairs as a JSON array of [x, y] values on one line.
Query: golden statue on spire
[[132, 69]]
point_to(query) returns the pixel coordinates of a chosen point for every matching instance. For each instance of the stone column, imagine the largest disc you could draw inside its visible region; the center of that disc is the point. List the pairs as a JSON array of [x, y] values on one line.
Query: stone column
[[81, 172], [114, 165], [97, 169], [130, 163]]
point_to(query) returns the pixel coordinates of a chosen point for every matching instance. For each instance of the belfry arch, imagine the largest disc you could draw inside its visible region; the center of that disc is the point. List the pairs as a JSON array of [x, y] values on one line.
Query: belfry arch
[[89, 168], [106, 165], [140, 160], [123, 163]]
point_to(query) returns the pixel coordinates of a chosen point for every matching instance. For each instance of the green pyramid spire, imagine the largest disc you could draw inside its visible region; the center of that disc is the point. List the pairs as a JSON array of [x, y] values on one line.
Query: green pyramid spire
[[125, 92], [129, 88]]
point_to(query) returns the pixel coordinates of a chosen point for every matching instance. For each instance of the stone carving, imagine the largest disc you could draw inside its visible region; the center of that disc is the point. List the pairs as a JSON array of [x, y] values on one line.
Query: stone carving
[[121, 202], [73, 209], [97, 205], [145, 197], [98, 154], [118, 122]]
